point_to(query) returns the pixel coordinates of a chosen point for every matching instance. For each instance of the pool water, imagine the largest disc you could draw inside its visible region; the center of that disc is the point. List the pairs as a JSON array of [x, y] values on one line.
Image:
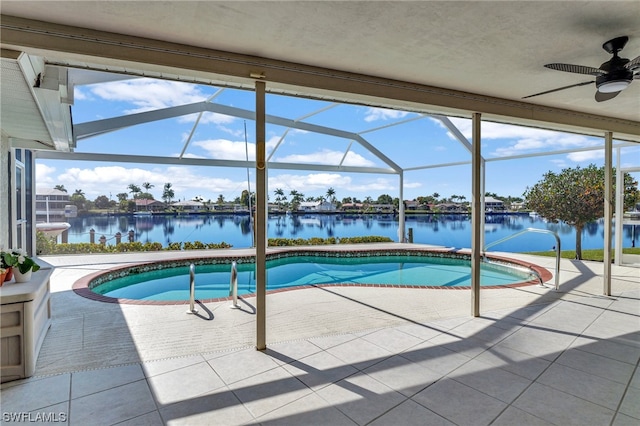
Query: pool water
[[212, 281]]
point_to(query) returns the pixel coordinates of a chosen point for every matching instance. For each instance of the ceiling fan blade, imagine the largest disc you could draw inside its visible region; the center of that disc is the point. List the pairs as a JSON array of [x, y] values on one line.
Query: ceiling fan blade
[[576, 69], [584, 83], [633, 64], [601, 97]]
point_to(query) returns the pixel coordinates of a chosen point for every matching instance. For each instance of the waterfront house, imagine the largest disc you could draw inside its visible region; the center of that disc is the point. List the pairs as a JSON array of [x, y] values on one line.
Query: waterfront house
[[50, 201], [316, 206], [150, 206], [492, 204], [189, 206]]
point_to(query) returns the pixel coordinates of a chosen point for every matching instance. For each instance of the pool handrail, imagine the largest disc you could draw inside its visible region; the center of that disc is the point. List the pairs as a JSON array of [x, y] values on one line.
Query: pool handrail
[[233, 284], [540, 231], [192, 289]]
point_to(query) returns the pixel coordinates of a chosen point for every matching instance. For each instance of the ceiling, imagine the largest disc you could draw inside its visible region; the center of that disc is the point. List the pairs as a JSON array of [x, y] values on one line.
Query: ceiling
[[493, 51]]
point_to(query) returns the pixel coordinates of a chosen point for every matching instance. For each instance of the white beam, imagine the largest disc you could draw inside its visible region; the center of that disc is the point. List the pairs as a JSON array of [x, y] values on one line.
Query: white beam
[[476, 215], [260, 222], [608, 211]]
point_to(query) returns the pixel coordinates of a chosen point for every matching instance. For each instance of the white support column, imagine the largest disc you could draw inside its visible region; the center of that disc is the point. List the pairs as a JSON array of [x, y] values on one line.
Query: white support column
[[261, 218], [401, 225], [5, 191], [476, 214], [483, 190], [608, 211], [619, 211]]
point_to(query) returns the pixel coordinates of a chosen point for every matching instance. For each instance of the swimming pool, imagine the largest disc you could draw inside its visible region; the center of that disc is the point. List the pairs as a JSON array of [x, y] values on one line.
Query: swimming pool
[[168, 281]]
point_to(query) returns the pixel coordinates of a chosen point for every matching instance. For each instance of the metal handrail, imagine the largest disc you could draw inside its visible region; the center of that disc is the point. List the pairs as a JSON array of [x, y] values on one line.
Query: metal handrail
[[540, 231], [233, 284], [192, 289]]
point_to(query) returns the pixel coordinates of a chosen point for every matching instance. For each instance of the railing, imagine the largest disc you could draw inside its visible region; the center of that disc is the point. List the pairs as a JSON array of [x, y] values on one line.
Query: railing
[[540, 231], [192, 289], [233, 284]]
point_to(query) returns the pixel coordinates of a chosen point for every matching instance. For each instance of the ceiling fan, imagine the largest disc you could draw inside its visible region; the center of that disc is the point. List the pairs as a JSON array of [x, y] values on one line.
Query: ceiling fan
[[612, 77]]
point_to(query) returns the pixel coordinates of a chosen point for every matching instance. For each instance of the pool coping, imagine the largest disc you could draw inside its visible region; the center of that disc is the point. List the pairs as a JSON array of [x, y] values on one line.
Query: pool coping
[[82, 286]]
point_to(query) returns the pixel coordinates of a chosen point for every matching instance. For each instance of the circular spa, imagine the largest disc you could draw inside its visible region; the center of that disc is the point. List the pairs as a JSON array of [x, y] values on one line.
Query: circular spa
[[168, 282]]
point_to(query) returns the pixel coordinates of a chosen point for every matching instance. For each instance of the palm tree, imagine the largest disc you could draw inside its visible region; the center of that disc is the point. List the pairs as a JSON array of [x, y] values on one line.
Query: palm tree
[[331, 195], [134, 189], [167, 193], [280, 197], [60, 188]]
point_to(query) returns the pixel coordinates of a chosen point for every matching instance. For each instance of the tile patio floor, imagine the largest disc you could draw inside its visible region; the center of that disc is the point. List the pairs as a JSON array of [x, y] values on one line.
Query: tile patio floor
[[349, 356]]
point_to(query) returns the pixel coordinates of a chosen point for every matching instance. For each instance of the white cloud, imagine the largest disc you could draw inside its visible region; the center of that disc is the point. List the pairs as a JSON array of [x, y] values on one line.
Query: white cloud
[[207, 118], [375, 186], [44, 175], [111, 180], [225, 149], [308, 183], [148, 94], [327, 156], [518, 140], [584, 156], [375, 114]]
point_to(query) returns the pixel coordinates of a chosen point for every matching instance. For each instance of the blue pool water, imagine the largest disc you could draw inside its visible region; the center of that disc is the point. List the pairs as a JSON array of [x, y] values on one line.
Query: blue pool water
[[212, 281]]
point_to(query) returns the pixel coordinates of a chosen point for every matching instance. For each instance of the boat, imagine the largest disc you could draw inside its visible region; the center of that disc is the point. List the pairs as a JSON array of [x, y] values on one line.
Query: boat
[[143, 213], [52, 229]]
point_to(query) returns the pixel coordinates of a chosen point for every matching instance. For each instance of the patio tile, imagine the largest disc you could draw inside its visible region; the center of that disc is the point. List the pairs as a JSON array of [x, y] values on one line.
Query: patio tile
[[113, 405], [33, 394], [361, 397], [597, 365], [513, 416], [543, 343], [320, 369], [421, 331], [149, 419], [410, 413], [310, 410], [242, 364], [493, 381], [624, 420], [468, 346], [621, 321], [561, 408], [88, 382], [184, 383], [513, 361], [154, 368], [402, 375], [459, 403], [435, 357], [269, 391], [287, 352], [631, 403], [583, 385], [360, 353], [326, 342], [392, 339], [218, 407], [57, 414], [615, 350]]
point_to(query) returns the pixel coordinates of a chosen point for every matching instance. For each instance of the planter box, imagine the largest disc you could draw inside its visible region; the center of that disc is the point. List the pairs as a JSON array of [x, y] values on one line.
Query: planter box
[[25, 318]]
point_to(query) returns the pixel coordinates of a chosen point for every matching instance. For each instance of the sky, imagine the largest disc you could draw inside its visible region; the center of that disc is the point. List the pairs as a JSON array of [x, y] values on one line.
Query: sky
[[408, 139]]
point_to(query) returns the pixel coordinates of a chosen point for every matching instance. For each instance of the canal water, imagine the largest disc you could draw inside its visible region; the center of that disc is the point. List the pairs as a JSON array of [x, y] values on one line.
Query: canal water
[[444, 230]]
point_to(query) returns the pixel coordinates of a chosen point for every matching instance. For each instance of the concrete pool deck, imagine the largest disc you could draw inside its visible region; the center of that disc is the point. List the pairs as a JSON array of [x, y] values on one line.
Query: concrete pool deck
[[344, 355]]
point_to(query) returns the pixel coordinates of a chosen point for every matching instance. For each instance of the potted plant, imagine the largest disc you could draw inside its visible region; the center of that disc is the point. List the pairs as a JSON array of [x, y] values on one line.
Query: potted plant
[[7, 261], [21, 264], [3, 274]]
